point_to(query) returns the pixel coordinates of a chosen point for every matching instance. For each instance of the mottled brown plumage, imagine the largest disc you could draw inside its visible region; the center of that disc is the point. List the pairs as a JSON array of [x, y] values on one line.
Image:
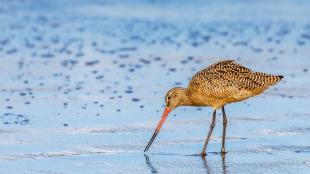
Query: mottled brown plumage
[[219, 84], [226, 82]]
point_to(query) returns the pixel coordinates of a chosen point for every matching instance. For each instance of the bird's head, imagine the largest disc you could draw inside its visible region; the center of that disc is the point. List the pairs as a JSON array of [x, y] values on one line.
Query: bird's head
[[175, 97]]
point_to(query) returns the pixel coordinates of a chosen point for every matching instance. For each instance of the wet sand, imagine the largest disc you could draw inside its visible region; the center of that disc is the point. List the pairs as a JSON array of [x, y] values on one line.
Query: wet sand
[[83, 86]]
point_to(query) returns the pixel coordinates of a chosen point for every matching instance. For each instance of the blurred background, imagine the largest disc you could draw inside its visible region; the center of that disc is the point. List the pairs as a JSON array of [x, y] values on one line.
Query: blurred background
[[83, 85]]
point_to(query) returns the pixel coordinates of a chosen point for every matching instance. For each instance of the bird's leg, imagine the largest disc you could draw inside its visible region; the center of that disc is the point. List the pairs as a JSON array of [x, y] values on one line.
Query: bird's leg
[[212, 125], [224, 130]]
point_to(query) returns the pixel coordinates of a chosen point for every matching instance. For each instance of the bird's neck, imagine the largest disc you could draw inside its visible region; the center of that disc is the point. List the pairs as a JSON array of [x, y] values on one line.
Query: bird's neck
[[184, 98]]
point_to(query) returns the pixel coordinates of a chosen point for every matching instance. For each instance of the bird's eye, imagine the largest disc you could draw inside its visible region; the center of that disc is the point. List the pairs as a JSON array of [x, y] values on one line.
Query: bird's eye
[[169, 98]]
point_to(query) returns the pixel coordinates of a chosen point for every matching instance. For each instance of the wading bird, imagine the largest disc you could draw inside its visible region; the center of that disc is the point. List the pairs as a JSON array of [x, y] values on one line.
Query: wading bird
[[217, 85]]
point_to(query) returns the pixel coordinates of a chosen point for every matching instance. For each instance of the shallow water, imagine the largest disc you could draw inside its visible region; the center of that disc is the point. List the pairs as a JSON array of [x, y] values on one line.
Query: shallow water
[[83, 86]]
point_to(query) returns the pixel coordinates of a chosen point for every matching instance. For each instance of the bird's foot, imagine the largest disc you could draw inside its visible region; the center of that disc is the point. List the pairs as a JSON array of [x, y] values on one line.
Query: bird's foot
[[223, 152], [203, 153]]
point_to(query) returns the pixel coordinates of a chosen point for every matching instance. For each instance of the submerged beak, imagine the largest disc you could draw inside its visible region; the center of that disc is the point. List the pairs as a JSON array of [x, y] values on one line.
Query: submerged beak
[[160, 124]]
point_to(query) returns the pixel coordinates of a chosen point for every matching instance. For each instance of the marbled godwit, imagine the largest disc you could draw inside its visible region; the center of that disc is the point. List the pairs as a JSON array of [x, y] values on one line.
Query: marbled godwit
[[217, 85]]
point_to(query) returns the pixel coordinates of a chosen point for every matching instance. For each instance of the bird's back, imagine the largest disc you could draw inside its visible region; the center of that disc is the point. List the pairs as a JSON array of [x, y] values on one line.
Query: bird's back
[[226, 81]]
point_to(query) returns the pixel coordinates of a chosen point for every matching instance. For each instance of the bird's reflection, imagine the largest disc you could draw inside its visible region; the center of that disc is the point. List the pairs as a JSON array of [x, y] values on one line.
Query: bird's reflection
[[149, 164], [208, 168], [205, 164], [224, 166], [204, 160]]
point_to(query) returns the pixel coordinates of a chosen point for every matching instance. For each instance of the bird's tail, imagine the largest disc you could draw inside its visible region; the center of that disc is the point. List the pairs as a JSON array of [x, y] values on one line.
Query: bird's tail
[[268, 79]]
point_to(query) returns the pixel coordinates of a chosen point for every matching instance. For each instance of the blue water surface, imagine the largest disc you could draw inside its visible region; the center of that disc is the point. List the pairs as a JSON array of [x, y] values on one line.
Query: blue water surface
[[83, 85]]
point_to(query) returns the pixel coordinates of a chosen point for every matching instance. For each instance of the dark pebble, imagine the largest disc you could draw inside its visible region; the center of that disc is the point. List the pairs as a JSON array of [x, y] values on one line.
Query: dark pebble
[[91, 63], [172, 69], [123, 56], [145, 61], [99, 77], [122, 65], [189, 58], [177, 83], [135, 99], [183, 62], [157, 58], [138, 66], [129, 91]]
